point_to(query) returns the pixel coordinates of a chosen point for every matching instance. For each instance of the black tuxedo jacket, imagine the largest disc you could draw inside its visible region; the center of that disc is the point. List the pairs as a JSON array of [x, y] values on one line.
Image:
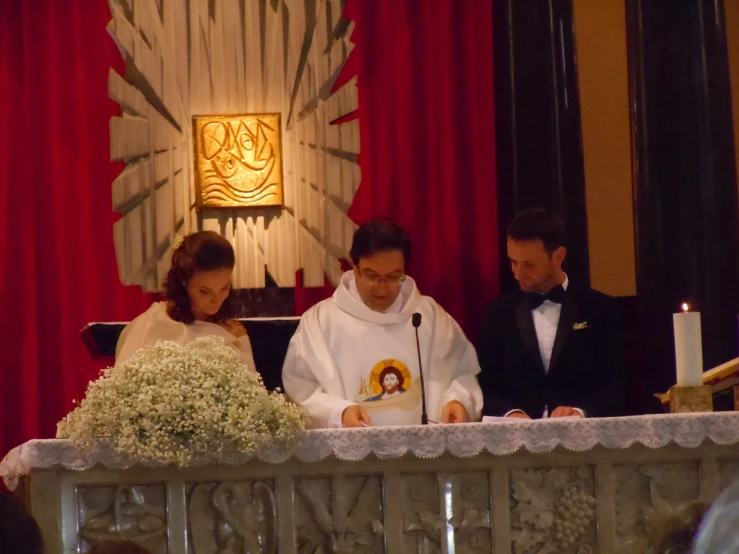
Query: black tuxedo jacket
[[587, 366]]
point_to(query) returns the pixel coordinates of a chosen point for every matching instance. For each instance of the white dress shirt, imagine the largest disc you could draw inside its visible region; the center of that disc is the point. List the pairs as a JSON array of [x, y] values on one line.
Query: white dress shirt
[[546, 321]]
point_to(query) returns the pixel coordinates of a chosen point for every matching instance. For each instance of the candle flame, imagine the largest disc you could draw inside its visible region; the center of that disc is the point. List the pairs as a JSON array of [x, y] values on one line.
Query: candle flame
[[685, 307]]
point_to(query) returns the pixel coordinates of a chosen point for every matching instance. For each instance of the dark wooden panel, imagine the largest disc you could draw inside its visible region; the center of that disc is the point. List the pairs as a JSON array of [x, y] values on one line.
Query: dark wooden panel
[[271, 301], [538, 132], [685, 177], [269, 339]]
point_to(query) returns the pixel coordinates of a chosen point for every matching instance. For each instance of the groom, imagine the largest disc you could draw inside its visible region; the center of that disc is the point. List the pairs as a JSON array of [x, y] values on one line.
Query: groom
[[552, 348]]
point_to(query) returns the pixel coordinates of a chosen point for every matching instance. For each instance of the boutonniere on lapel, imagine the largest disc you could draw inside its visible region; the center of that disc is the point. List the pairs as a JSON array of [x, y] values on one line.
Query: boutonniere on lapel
[[580, 326]]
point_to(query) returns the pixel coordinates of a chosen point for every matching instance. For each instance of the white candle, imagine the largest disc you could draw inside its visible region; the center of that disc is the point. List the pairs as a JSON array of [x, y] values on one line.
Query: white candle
[[688, 347]]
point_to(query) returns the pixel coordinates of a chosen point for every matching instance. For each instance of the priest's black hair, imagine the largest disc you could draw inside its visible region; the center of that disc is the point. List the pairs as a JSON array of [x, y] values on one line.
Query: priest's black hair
[[379, 235]]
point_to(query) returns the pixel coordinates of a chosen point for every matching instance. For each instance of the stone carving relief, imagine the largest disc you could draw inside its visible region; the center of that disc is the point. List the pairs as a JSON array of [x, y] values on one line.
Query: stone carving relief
[[232, 518], [728, 472], [340, 514], [646, 495], [133, 512], [422, 521], [444, 508], [553, 511]]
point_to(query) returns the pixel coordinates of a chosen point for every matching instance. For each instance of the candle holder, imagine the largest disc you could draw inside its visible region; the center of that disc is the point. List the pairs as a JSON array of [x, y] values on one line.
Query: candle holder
[[691, 399]]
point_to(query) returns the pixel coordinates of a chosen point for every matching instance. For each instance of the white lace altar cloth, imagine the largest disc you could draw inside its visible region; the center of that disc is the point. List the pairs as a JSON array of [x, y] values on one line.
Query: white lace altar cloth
[[498, 438]]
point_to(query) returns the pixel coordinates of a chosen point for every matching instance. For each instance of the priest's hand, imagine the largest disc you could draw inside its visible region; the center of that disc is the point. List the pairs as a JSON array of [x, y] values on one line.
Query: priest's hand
[[565, 411], [519, 414], [454, 412], [355, 416]]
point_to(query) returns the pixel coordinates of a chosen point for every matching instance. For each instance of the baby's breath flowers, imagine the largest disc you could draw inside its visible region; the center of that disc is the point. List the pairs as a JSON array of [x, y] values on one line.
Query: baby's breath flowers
[[171, 404]]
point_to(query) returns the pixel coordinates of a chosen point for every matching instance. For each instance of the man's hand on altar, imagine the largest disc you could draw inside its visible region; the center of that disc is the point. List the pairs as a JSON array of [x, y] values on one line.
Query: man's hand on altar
[[355, 416], [519, 414], [454, 412], [566, 411]]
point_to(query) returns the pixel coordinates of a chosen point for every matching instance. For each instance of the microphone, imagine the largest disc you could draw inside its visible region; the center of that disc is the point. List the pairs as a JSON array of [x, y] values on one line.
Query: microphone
[[424, 416]]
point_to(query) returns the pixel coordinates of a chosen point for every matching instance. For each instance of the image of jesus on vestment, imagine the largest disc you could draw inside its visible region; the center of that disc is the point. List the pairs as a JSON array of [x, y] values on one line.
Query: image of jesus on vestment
[[393, 387]]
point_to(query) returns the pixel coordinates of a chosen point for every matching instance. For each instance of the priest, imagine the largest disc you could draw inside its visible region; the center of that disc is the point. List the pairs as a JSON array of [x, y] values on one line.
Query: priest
[[354, 359]]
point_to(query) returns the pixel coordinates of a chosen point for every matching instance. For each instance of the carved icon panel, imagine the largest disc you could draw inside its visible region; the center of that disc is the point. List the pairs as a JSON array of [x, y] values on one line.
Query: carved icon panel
[[728, 473], [553, 511], [235, 516], [340, 514], [646, 496], [132, 512], [238, 160], [447, 512]]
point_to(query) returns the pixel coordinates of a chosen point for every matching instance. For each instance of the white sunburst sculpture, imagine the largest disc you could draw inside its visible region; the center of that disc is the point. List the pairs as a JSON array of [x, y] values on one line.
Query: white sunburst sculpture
[[217, 57]]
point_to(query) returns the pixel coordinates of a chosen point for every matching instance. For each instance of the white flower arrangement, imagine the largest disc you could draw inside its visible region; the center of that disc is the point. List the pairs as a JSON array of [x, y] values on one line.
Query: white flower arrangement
[[173, 404]]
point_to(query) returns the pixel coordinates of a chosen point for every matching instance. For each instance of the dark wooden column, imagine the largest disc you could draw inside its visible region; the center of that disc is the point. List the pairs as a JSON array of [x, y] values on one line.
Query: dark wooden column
[[538, 133], [684, 177]]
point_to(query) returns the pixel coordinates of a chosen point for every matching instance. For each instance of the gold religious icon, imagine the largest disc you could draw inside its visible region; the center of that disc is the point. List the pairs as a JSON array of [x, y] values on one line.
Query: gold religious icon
[[238, 160]]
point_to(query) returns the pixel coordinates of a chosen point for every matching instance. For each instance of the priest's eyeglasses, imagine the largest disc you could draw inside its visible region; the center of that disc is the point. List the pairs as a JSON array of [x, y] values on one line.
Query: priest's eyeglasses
[[374, 279]]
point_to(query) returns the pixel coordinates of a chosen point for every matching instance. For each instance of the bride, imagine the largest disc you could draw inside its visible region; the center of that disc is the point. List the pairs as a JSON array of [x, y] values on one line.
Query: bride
[[198, 301]]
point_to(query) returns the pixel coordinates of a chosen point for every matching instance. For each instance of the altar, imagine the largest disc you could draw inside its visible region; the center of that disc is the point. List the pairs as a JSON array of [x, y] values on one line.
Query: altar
[[565, 486]]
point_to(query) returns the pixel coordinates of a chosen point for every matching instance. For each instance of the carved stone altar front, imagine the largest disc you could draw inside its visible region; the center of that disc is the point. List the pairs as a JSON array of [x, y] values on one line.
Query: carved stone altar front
[[441, 489], [559, 502]]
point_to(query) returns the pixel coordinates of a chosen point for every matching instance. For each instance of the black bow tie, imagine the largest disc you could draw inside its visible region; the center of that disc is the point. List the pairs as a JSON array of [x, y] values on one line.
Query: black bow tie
[[556, 295]]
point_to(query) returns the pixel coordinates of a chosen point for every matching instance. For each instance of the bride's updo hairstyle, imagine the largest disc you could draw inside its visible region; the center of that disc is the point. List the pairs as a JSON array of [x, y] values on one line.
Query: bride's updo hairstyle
[[201, 251]]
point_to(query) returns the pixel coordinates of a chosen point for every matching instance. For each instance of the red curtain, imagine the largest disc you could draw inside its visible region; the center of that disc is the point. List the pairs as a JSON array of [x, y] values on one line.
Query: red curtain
[[57, 262], [427, 140], [425, 77]]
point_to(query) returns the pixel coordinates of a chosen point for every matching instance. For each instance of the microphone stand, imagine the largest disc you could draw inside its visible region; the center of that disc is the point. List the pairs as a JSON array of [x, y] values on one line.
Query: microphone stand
[[424, 415]]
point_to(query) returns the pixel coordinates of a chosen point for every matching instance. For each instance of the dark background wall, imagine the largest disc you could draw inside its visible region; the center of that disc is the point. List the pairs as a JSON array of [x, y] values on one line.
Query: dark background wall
[[684, 175], [683, 183], [539, 150]]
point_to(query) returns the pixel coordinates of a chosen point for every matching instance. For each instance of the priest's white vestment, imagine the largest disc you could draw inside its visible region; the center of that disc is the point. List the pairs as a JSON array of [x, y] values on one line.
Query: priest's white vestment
[[343, 353], [155, 324]]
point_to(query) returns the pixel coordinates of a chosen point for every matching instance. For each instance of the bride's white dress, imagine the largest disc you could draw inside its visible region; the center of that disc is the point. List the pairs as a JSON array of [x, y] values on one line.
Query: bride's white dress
[[155, 324]]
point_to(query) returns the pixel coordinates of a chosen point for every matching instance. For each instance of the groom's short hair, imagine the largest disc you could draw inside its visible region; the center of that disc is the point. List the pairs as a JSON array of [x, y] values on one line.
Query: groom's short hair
[[538, 224], [379, 235]]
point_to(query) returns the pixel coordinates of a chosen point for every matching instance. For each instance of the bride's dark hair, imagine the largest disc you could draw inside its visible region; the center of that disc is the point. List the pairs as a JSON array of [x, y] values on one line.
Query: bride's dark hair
[[201, 251]]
